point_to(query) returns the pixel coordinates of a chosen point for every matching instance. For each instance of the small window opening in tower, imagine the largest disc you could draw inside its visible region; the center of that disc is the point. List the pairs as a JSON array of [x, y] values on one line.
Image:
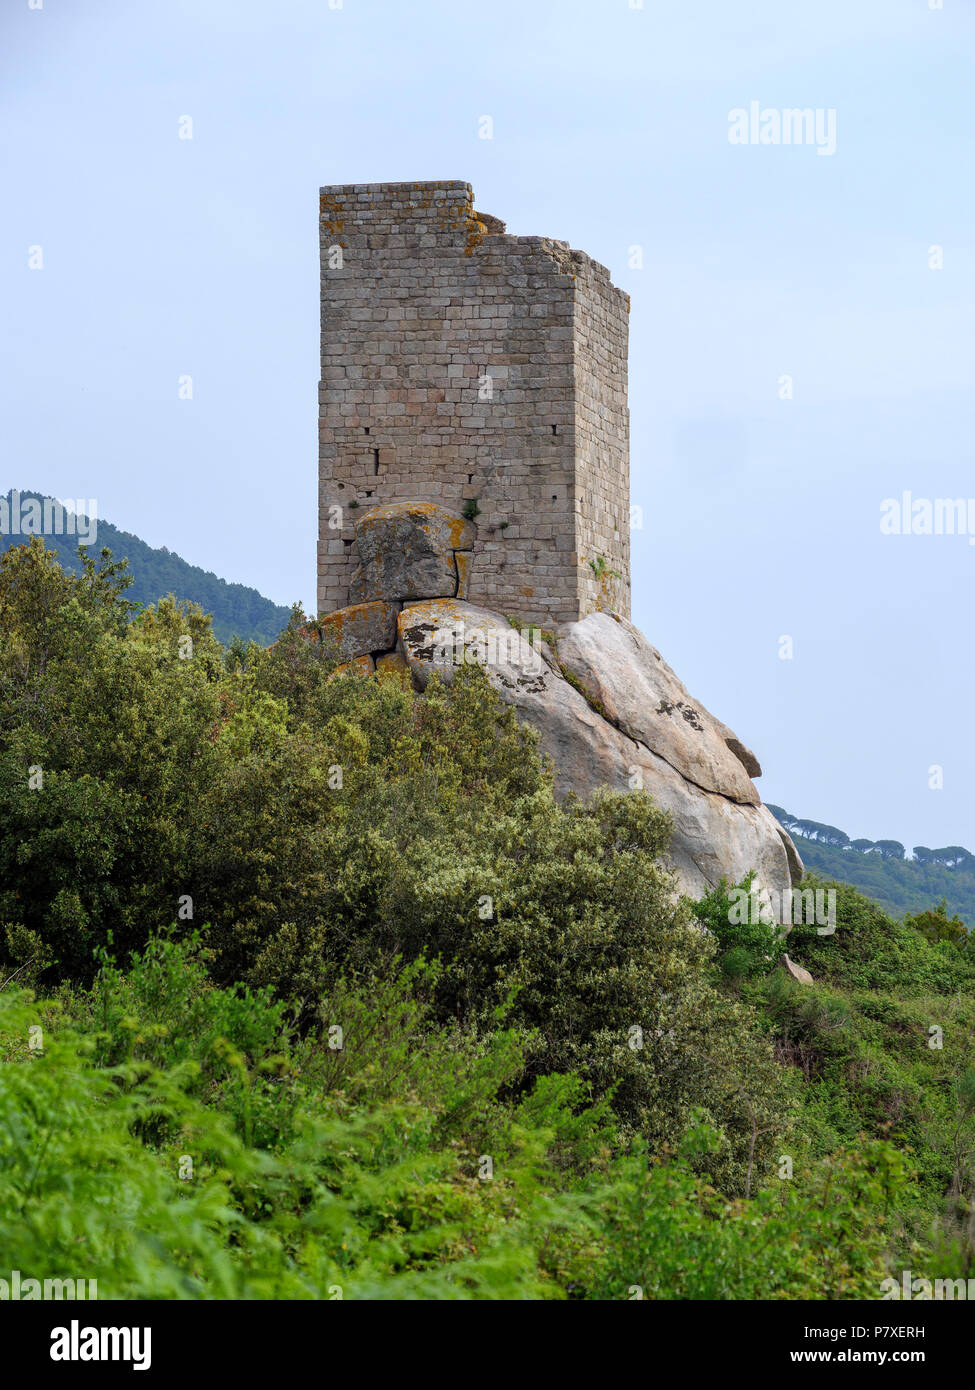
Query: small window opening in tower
[[375, 460], [555, 429], [367, 429]]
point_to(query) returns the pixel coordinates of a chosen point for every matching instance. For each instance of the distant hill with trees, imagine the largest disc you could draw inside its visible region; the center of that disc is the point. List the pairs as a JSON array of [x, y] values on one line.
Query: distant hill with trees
[[882, 870], [236, 609]]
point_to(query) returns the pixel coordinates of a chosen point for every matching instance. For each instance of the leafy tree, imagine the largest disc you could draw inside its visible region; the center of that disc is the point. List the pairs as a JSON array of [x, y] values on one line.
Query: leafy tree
[[953, 857], [935, 925], [749, 942], [890, 849]]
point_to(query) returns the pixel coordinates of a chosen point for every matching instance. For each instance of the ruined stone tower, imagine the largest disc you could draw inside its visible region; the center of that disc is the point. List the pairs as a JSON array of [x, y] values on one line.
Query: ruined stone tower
[[482, 372]]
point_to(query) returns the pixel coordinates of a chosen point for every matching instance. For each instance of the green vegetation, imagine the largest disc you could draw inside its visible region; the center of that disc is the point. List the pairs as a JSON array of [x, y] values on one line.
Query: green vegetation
[[532, 632], [309, 988], [886, 1044], [600, 568], [747, 945], [235, 609], [879, 869], [174, 1140]]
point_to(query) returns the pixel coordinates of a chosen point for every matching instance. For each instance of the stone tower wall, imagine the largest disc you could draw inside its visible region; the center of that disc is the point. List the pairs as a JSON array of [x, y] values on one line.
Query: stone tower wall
[[462, 365], [602, 438]]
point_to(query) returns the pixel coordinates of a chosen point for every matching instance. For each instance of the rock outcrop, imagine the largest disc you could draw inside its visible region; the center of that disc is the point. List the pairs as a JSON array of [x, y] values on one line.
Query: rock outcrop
[[621, 673], [408, 550], [794, 972], [608, 709], [362, 628]]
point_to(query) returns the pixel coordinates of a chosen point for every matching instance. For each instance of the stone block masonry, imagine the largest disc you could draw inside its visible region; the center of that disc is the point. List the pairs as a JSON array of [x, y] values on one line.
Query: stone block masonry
[[480, 371]]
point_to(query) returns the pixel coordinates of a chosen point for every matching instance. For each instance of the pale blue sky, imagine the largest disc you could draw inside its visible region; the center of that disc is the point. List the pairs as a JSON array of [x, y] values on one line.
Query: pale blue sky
[[164, 257]]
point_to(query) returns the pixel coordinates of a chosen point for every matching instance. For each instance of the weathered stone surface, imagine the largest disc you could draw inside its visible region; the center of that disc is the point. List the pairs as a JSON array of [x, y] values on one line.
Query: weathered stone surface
[[432, 529], [393, 663], [444, 634], [741, 751], [795, 972], [365, 664], [406, 551], [714, 835], [462, 364], [433, 576], [623, 674], [361, 628], [796, 867], [463, 560]]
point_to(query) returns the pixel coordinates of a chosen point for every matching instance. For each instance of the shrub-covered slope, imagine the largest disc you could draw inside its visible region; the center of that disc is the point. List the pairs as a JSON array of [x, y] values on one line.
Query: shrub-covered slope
[[310, 988]]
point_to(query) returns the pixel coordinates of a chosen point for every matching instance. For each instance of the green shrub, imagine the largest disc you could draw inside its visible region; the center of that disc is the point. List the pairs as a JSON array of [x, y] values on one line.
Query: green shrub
[[820, 1234], [747, 944], [415, 961], [868, 950], [135, 1176], [400, 1165]]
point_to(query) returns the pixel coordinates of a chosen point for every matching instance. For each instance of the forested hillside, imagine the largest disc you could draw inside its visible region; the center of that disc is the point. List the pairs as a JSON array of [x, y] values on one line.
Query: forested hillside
[[236, 609], [880, 869]]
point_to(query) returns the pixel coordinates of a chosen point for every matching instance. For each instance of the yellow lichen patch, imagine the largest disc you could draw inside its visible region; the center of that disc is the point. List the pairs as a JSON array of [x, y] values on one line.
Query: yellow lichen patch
[[476, 232], [443, 611], [462, 559], [393, 666], [392, 509], [328, 207], [334, 623], [359, 664], [428, 518], [457, 527]]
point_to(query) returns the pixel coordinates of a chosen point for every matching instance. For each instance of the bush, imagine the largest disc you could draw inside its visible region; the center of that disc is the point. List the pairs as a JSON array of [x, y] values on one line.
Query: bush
[[398, 1165], [323, 827], [821, 1234], [868, 950], [747, 945], [156, 1181], [440, 1036]]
